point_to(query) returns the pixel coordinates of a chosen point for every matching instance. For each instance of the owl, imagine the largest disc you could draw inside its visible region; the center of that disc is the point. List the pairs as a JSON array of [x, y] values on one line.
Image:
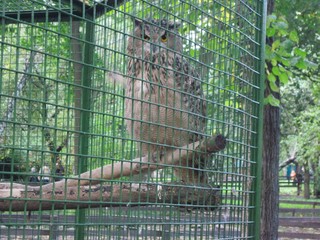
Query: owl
[[164, 102]]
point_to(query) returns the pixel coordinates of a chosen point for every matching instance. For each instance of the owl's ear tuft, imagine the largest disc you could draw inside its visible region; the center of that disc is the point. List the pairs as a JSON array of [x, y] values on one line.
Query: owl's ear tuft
[[137, 22], [174, 25]]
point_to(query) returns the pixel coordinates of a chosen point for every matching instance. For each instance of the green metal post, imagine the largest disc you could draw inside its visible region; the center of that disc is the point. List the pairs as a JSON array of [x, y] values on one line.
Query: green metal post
[[255, 199], [87, 71]]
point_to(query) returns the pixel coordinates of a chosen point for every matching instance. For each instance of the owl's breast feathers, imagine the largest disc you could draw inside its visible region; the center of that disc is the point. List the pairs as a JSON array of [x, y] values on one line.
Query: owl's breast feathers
[[164, 99]]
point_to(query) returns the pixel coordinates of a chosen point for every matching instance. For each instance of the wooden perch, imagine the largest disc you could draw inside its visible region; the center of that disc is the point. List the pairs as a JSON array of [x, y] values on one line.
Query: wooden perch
[[123, 194], [76, 192]]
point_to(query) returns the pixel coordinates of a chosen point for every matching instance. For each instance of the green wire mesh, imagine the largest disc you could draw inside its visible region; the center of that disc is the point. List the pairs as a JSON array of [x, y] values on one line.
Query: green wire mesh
[[60, 115]]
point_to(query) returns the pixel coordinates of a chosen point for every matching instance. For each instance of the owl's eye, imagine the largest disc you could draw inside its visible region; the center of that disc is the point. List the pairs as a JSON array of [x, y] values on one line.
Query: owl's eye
[[146, 38], [164, 38]]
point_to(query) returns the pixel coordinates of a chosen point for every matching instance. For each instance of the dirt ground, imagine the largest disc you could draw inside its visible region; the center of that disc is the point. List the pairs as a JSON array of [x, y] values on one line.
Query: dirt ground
[[296, 231]]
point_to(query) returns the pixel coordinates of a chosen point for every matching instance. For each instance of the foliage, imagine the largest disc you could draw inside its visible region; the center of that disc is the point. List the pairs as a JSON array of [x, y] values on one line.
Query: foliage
[[284, 55], [304, 17], [301, 96]]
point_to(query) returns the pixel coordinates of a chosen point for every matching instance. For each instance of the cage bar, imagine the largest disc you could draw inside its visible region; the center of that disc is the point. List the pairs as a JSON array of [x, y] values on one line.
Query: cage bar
[[68, 160]]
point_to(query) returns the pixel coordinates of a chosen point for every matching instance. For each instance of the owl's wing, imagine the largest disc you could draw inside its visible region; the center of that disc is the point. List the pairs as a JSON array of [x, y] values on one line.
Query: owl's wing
[[189, 80]]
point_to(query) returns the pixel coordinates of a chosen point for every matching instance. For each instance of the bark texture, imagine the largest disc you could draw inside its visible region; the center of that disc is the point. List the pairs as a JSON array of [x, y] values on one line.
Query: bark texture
[[270, 174], [270, 161], [109, 195]]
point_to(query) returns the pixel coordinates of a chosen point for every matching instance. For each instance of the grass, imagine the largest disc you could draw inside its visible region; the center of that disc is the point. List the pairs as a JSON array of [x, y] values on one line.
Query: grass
[[297, 206], [290, 193]]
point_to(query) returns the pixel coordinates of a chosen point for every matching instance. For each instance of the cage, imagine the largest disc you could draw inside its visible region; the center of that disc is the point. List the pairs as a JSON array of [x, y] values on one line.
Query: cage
[[100, 108]]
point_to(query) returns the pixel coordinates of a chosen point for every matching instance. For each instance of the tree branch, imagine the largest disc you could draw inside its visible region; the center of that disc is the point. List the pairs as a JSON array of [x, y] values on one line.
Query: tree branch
[[82, 188], [287, 162], [143, 164]]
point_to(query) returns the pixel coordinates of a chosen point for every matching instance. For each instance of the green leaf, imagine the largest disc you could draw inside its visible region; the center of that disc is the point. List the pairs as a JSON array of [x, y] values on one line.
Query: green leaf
[[301, 64], [192, 53], [281, 25], [272, 101], [293, 36], [275, 44], [300, 52], [271, 77], [294, 61], [288, 45], [282, 69], [270, 19], [274, 87], [284, 78], [276, 71], [269, 53], [271, 32], [283, 52], [274, 62], [285, 62]]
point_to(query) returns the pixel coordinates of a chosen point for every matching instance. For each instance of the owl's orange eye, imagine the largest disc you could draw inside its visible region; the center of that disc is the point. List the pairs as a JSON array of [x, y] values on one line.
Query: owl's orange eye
[[164, 38]]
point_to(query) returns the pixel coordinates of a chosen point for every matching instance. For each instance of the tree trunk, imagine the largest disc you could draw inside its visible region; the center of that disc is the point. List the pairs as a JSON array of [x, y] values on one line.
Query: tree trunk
[[11, 104], [270, 165], [77, 72], [306, 181], [316, 179], [270, 174], [316, 188]]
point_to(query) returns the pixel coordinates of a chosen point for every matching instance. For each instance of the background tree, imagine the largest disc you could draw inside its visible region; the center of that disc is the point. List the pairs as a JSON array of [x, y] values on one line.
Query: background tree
[[271, 139], [285, 59], [299, 126]]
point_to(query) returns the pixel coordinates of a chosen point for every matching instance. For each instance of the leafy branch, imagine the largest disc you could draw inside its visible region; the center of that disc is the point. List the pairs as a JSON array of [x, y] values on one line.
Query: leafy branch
[[283, 56]]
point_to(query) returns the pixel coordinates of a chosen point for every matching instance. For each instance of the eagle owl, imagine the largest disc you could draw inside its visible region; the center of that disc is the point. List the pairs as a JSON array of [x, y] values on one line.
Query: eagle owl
[[164, 102]]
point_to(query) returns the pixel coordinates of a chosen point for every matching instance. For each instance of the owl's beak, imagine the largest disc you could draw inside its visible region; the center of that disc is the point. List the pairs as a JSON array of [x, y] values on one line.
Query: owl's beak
[[155, 49]]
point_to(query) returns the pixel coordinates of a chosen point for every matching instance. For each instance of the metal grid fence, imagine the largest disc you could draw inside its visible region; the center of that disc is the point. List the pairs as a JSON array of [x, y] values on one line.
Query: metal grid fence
[[61, 115]]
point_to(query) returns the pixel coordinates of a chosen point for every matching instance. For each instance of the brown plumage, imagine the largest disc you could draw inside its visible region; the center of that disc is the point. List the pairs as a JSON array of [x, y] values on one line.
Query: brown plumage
[[164, 105]]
